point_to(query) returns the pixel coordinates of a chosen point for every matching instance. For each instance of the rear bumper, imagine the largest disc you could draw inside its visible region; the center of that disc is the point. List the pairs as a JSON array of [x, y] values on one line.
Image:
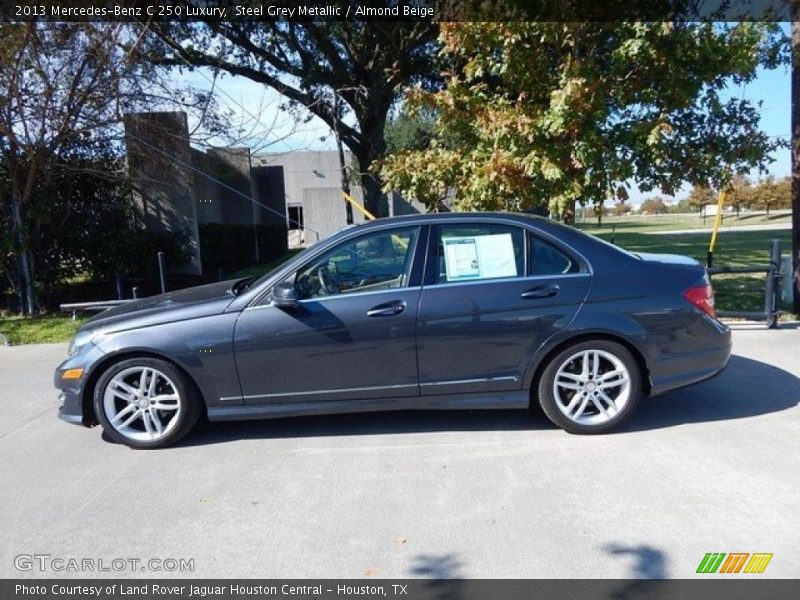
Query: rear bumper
[[677, 370]]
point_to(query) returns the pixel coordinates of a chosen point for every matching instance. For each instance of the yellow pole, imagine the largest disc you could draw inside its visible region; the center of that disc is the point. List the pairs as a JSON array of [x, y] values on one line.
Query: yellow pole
[[723, 196], [358, 207]]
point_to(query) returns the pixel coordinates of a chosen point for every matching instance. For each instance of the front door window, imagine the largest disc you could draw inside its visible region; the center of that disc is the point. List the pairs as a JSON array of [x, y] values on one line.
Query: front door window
[[373, 262]]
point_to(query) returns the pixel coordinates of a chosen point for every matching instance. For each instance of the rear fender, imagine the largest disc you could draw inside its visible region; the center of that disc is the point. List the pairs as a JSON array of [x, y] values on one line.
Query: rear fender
[[589, 323]]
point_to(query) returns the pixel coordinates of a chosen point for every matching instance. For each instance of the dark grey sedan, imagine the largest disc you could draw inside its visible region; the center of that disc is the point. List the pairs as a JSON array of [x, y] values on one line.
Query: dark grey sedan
[[450, 311]]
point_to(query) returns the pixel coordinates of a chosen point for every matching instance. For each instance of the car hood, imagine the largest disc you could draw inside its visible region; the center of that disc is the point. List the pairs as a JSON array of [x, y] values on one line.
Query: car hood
[[189, 303], [668, 259]]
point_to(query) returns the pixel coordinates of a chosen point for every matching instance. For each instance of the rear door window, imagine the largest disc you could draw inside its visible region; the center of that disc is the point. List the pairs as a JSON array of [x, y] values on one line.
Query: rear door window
[[475, 252]]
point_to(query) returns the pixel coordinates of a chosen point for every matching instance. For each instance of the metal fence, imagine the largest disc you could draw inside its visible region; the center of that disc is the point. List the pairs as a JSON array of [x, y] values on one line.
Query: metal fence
[[772, 288]]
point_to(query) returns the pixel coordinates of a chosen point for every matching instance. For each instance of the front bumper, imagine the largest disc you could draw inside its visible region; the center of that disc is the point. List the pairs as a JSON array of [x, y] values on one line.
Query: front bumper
[[72, 390], [70, 409]]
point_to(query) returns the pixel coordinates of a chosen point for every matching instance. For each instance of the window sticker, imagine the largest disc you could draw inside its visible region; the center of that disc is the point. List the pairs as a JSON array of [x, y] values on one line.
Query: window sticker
[[479, 257]]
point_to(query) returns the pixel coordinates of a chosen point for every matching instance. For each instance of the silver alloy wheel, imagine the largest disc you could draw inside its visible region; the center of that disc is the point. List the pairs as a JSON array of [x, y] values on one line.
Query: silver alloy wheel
[[591, 387], [142, 403]]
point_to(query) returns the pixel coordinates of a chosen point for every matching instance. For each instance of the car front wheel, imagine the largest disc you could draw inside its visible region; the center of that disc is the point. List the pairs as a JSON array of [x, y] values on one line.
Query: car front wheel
[[590, 387], [145, 403]]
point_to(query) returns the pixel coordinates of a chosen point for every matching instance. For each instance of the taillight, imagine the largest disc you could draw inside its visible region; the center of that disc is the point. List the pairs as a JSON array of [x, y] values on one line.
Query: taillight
[[702, 296]]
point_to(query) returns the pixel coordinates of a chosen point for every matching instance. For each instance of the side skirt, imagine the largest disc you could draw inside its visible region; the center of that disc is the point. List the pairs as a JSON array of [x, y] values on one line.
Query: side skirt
[[516, 399]]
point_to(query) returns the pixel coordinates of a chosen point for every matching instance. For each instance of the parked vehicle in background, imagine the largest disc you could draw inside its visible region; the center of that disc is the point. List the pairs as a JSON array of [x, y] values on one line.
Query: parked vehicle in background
[[440, 311]]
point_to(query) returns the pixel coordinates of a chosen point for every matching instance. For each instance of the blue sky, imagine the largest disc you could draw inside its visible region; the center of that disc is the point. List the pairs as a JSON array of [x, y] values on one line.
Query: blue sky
[[271, 130]]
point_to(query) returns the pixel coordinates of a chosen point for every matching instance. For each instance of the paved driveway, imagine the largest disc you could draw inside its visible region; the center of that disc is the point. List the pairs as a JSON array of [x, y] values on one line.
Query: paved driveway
[[496, 494]]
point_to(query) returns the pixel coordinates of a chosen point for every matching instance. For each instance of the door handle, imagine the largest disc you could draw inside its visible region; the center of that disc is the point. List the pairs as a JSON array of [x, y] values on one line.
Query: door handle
[[542, 291], [388, 309]]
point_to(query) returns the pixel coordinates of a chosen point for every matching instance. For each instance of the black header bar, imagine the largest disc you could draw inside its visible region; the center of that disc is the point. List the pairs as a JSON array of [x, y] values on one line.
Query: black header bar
[[398, 10], [705, 587]]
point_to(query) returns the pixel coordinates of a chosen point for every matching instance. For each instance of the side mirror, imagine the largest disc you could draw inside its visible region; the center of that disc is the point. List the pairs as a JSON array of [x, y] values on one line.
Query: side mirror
[[284, 295]]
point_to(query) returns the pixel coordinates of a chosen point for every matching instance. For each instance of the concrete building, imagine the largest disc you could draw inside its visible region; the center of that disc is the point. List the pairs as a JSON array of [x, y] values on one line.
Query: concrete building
[[164, 192], [178, 188]]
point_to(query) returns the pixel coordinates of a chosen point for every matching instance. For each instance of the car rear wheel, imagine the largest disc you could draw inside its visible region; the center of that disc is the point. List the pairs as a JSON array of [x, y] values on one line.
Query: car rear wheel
[[145, 403], [590, 387]]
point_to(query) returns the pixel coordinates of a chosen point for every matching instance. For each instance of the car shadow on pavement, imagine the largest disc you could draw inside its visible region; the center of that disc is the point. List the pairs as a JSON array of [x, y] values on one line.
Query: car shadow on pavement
[[371, 423], [747, 388]]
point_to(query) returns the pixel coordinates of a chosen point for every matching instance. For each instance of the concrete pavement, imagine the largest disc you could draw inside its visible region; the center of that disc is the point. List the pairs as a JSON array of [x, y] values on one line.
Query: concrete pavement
[[712, 468]]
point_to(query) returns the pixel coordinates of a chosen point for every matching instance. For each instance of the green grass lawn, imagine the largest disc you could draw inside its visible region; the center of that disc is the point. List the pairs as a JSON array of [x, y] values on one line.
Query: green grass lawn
[[732, 248], [668, 222], [38, 330], [733, 292]]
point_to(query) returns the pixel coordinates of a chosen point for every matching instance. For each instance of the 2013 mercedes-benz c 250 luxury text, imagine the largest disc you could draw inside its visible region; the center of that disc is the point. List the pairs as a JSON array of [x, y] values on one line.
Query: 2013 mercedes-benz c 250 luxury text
[[439, 311]]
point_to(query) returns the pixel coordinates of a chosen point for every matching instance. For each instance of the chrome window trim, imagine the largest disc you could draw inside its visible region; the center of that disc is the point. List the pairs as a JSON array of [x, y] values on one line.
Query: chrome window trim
[[341, 296], [450, 284], [420, 221]]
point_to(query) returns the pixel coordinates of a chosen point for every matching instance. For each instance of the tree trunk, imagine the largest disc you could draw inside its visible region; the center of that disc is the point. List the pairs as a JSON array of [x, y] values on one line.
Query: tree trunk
[[374, 198], [796, 152], [348, 208], [27, 292], [372, 147]]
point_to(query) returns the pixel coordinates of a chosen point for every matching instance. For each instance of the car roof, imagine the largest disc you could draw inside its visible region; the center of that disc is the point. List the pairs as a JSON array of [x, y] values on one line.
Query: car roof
[[542, 223], [453, 216]]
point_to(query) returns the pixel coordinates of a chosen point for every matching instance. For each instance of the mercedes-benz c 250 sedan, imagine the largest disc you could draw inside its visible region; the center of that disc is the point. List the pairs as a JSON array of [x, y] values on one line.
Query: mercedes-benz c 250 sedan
[[446, 311]]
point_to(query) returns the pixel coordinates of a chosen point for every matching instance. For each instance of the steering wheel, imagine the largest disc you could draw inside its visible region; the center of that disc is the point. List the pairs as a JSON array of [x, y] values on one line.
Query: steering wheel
[[326, 287]]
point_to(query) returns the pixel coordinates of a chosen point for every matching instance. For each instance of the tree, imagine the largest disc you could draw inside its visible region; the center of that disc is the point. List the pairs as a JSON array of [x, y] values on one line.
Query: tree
[[700, 196], [563, 112], [366, 63], [682, 206], [621, 208], [772, 193], [654, 206], [409, 131], [740, 193], [64, 89]]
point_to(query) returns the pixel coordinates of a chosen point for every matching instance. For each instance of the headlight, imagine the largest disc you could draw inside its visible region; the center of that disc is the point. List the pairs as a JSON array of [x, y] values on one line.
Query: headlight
[[81, 339]]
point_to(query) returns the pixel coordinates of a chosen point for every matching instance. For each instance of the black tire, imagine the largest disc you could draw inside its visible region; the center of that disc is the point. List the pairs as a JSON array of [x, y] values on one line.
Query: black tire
[[185, 418], [592, 420]]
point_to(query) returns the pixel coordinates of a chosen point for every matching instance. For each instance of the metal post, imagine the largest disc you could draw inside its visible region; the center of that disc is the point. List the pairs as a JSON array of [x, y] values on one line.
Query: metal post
[[795, 18], [771, 290], [162, 272], [118, 280], [135, 292], [613, 232]]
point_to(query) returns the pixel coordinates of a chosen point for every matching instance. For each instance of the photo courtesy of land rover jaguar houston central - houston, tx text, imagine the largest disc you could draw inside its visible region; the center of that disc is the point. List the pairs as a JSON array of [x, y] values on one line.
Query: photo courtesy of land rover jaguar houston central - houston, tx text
[[437, 311]]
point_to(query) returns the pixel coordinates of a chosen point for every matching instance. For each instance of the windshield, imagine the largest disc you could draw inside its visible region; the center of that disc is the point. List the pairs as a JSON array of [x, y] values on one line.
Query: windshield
[[276, 268]]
